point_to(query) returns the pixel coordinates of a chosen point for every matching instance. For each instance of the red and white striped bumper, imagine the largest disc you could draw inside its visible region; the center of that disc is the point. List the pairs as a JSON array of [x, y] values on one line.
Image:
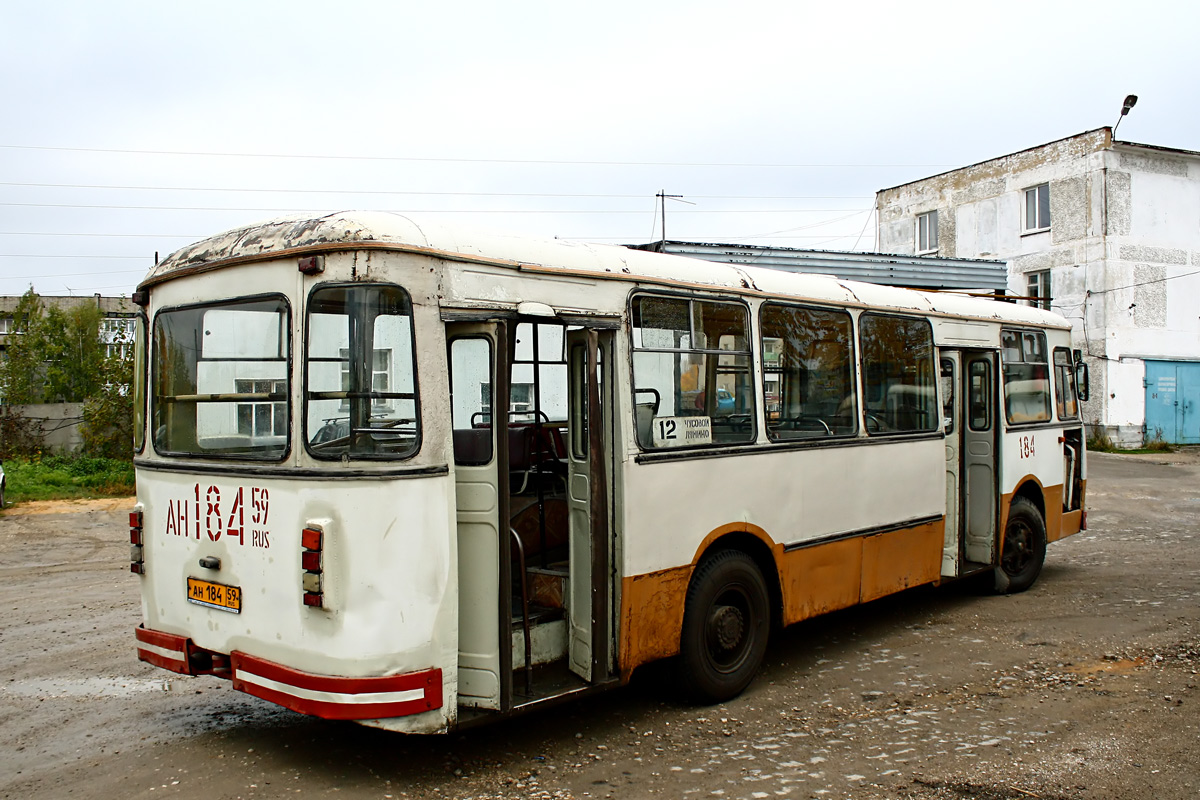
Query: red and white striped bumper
[[326, 696]]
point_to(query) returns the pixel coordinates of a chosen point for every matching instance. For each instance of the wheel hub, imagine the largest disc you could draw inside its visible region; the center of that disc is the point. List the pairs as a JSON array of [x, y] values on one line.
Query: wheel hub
[[727, 626]]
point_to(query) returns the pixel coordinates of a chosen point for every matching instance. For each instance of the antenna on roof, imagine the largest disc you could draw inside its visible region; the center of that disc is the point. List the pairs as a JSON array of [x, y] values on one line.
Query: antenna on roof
[[1130, 102]]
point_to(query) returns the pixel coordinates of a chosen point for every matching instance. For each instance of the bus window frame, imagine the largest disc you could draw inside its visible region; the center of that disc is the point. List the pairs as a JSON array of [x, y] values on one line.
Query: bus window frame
[[489, 413], [1072, 383], [934, 377], [141, 377], [1050, 417], [419, 441], [755, 389], [852, 346], [152, 375]]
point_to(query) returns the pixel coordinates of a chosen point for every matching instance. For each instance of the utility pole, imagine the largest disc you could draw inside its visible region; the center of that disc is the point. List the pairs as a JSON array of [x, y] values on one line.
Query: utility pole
[[662, 199]]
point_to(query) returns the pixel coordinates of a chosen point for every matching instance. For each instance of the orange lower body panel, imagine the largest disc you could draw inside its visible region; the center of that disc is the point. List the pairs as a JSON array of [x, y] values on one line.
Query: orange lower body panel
[[813, 580]]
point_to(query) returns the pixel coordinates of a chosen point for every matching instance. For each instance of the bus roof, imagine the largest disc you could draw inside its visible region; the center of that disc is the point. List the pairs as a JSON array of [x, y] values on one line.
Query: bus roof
[[386, 230]]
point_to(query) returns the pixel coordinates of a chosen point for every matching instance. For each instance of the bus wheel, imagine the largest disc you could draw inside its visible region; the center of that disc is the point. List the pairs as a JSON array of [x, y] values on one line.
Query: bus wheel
[[1024, 548], [725, 627]]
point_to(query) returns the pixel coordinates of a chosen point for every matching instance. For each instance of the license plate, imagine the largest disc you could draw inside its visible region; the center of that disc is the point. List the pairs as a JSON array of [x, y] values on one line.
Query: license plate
[[214, 595]]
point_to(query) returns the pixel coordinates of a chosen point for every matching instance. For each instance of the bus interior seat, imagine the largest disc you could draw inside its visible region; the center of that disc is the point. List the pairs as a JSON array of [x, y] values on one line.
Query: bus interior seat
[[534, 451]]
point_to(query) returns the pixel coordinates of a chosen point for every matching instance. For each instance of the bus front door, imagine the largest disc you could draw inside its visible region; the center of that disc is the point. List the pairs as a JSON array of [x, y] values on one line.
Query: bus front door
[[971, 425]]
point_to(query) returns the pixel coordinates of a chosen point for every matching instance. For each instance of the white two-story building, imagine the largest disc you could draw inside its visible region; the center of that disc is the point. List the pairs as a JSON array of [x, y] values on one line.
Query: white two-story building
[[1104, 232]]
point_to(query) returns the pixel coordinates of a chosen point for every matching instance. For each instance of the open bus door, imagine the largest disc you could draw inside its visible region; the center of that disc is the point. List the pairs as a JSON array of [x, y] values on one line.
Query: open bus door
[[969, 412], [481, 501], [588, 504]]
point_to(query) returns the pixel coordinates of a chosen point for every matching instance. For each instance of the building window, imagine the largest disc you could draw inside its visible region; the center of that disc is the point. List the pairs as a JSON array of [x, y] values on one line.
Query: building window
[[381, 371], [6, 324], [262, 418], [1038, 289], [1037, 208], [927, 232]]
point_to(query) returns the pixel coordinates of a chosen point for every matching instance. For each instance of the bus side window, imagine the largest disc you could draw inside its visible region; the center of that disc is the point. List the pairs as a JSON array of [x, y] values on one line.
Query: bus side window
[[693, 356], [1026, 376], [948, 395], [808, 372], [899, 390]]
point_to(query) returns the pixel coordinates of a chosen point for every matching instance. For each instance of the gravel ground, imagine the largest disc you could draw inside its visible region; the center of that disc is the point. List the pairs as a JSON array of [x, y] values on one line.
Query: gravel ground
[[1082, 687]]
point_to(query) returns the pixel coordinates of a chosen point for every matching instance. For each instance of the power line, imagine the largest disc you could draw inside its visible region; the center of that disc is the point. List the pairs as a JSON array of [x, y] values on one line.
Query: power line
[[114, 207], [428, 194], [48, 255], [73, 274], [106, 235], [411, 159], [1143, 283]]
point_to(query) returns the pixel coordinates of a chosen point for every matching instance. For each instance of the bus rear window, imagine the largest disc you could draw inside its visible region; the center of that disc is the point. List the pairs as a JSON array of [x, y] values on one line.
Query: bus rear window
[[221, 385], [361, 392]]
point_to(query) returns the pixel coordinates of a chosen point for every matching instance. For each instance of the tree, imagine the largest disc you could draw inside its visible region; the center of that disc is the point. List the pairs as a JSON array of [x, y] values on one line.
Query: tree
[[57, 356]]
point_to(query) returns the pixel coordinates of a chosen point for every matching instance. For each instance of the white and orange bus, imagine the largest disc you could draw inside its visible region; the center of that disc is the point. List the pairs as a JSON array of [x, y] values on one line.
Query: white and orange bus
[[419, 477]]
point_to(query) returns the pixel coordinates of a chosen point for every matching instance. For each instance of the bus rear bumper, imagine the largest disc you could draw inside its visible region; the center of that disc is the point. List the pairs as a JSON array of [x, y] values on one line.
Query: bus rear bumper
[[325, 696]]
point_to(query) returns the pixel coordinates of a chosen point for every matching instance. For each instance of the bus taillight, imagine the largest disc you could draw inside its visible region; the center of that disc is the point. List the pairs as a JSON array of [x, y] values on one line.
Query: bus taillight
[[137, 560], [311, 539]]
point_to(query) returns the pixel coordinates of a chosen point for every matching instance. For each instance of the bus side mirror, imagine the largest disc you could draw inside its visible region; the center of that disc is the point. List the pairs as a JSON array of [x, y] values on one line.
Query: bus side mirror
[[1081, 377]]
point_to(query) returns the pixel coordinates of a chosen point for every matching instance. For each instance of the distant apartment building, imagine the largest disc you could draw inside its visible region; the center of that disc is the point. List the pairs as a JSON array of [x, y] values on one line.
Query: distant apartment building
[[116, 326], [1104, 232]]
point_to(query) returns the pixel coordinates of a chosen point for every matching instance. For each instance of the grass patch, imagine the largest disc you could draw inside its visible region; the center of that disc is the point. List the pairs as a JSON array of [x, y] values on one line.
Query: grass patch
[[1099, 442], [67, 478]]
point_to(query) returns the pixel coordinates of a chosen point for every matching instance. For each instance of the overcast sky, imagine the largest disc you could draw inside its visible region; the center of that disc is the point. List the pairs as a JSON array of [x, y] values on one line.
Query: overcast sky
[[136, 127]]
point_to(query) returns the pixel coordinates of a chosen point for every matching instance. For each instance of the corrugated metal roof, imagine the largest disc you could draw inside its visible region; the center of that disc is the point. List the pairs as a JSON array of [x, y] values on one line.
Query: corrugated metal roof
[[912, 272]]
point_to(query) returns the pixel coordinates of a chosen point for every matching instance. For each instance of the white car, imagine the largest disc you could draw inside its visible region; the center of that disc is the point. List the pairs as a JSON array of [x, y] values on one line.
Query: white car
[[1, 484]]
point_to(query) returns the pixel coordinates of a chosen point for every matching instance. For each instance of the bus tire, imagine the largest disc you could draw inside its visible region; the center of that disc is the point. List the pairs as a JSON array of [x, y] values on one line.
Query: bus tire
[[1024, 548], [726, 622]]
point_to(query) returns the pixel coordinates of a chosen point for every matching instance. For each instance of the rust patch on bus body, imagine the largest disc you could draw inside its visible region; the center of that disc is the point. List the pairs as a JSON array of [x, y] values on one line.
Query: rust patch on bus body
[[821, 578], [652, 604], [843, 573], [651, 616], [898, 560]]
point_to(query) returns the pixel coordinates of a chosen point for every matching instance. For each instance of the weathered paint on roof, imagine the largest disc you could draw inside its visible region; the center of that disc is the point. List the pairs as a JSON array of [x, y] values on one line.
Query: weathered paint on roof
[[353, 230]]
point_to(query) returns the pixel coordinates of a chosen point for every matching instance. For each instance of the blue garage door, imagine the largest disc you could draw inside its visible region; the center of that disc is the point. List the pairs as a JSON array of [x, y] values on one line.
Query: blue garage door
[[1173, 401]]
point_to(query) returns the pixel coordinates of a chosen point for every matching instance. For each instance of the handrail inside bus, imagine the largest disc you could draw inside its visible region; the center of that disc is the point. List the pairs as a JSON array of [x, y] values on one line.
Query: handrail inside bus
[[524, 612]]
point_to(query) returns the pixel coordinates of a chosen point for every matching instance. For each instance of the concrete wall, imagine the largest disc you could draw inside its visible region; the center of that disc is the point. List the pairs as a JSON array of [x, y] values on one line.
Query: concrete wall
[[1123, 241], [60, 423]]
